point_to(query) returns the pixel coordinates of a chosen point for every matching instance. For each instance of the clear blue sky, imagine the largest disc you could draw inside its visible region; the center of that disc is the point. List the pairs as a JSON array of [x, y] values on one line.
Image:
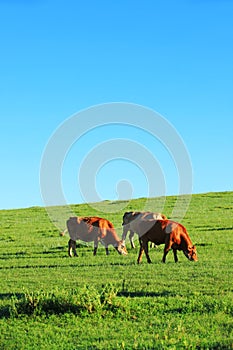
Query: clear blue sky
[[60, 57]]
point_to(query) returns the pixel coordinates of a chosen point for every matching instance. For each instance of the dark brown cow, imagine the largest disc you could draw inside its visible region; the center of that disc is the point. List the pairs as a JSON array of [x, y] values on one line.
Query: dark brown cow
[[132, 219], [170, 233], [89, 229]]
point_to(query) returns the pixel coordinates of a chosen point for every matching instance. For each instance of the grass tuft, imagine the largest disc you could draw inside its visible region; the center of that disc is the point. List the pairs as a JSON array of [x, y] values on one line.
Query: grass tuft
[[82, 302]]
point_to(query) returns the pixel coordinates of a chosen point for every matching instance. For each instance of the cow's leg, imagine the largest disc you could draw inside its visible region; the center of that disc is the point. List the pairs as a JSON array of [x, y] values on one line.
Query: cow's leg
[[106, 247], [175, 255], [152, 245], [145, 246], [166, 250], [124, 234], [140, 252], [95, 246], [131, 234], [74, 249], [164, 255], [168, 245], [72, 246]]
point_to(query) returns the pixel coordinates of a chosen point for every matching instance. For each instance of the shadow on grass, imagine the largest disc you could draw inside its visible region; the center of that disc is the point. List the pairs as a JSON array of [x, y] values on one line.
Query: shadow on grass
[[143, 294], [77, 262], [83, 304], [219, 229], [30, 261], [4, 296], [203, 244], [5, 310], [204, 228], [55, 266]]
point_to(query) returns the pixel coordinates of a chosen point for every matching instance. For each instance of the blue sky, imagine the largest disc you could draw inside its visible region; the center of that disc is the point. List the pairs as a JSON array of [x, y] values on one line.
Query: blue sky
[[61, 57]]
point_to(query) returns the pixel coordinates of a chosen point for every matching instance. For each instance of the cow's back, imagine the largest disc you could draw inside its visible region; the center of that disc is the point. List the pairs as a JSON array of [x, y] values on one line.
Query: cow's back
[[97, 221], [88, 227], [153, 230], [159, 231], [144, 216], [83, 228]]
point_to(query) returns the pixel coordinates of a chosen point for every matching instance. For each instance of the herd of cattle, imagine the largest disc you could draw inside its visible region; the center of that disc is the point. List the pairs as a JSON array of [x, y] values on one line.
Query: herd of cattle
[[150, 227]]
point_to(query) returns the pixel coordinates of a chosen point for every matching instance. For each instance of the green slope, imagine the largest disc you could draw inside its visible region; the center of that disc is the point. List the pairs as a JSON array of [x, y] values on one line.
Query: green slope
[[125, 305]]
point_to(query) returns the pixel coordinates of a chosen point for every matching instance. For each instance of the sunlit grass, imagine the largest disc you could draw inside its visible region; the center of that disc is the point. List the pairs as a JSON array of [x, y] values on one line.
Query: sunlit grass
[[51, 301]]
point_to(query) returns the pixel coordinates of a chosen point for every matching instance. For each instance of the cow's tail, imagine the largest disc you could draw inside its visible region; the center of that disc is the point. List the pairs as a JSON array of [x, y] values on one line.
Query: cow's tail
[[63, 232]]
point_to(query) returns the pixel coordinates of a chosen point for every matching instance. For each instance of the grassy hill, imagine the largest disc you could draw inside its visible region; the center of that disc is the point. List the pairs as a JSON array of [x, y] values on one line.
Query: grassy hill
[[50, 301]]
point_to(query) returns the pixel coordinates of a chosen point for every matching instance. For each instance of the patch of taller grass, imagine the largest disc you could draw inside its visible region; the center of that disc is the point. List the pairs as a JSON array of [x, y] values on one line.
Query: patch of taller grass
[[83, 301]]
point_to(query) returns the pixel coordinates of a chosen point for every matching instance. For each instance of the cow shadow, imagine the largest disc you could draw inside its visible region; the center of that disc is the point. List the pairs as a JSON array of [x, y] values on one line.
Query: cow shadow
[[204, 228], [141, 294], [219, 229]]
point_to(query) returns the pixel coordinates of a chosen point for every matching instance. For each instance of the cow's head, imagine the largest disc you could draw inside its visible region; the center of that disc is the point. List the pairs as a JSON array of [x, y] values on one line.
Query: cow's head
[[191, 253], [126, 218], [130, 216], [121, 248]]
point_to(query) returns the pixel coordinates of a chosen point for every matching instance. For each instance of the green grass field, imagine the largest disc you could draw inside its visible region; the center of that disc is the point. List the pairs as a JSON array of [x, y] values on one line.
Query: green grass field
[[51, 301]]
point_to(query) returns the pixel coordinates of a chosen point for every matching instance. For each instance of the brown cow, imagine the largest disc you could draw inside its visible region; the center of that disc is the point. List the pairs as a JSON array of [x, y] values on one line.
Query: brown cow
[[95, 229], [173, 234], [132, 219]]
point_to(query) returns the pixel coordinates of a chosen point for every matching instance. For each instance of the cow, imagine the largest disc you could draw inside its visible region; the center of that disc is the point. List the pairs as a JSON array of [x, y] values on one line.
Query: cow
[[170, 233], [131, 221], [89, 229]]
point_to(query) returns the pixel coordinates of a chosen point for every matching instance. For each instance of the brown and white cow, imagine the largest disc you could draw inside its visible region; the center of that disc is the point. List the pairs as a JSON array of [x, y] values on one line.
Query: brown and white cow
[[170, 233], [132, 219], [89, 229]]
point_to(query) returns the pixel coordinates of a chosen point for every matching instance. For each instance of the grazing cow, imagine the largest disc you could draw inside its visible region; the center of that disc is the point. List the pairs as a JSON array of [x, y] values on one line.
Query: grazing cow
[[132, 219], [170, 233], [95, 229]]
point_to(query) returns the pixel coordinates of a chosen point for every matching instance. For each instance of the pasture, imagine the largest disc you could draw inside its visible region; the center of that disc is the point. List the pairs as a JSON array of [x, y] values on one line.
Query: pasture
[[51, 301]]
